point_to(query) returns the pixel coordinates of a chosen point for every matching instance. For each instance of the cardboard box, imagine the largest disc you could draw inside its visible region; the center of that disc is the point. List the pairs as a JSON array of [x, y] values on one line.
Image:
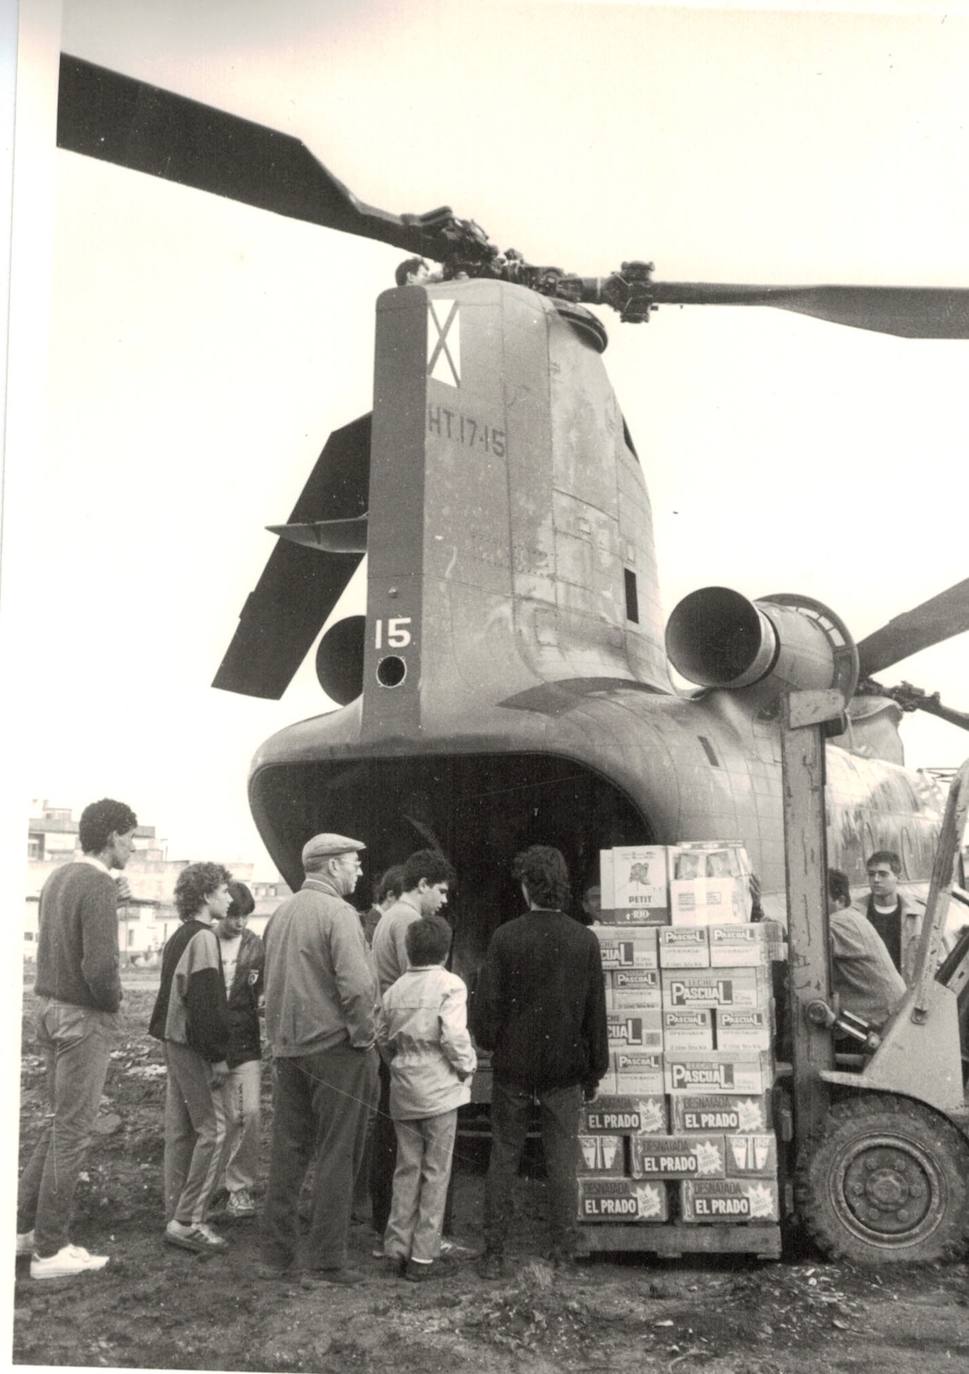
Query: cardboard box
[[690, 859], [636, 1071], [751, 1029], [607, 888], [752, 1155], [634, 989], [645, 1114], [708, 1112], [683, 947], [687, 1030], [640, 887], [742, 989], [709, 883], [729, 1200], [741, 946], [717, 1071], [625, 947], [622, 1200], [602, 1154], [641, 1030], [677, 1156]]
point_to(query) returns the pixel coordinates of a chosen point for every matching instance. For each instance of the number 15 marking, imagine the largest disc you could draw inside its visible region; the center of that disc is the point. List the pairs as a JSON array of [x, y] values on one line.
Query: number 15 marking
[[398, 634]]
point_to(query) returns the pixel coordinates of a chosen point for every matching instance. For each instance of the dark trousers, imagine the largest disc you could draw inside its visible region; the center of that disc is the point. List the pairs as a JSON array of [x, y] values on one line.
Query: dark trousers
[[383, 1160], [76, 1043], [321, 1103], [559, 1109]]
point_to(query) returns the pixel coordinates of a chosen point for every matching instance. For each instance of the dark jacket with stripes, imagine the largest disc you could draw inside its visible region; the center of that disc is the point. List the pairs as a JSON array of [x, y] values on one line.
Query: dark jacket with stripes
[[190, 1008]]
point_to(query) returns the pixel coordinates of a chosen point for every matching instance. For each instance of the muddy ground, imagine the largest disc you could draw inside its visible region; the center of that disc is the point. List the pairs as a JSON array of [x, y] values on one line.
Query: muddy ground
[[154, 1307]]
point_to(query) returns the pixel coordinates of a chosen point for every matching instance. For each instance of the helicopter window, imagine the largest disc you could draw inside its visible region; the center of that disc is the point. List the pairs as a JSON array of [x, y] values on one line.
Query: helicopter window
[[628, 438], [632, 596], [391, 671], [709, 750]]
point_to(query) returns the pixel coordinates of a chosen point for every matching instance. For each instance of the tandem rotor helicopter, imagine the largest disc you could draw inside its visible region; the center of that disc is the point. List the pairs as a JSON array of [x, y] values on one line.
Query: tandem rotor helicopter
[[510, 681]]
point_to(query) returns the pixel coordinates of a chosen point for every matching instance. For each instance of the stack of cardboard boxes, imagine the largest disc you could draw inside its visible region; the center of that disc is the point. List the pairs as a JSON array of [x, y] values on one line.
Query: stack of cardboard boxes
[[682, 1128]]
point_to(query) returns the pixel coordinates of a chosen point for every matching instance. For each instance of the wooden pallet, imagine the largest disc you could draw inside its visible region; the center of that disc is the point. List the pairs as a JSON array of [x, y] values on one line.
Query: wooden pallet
[[674, 1239]]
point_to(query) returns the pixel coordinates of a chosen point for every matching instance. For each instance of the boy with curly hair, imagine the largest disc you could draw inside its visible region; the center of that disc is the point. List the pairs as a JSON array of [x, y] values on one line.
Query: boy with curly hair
[[190, 1016]]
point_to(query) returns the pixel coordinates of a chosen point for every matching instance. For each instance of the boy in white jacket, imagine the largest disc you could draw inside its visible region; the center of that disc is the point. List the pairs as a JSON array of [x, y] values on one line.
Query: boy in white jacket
[[422, 1030]]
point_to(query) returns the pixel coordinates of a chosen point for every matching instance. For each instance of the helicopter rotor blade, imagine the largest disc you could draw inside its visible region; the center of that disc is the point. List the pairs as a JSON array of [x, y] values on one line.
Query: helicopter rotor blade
[[300, 585], [915, 699], [119, 119], [912, 312], [937, 619]]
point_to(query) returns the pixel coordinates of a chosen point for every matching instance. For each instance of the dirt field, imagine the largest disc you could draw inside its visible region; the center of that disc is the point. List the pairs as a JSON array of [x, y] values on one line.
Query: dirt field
[[154, 1307]]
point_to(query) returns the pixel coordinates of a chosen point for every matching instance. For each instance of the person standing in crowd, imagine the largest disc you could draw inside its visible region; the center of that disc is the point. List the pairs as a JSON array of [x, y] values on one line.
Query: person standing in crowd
[[320, 1000], [867, 982], [540, 1007], [422, 1031], [389, 891], [79, 987], [190, 1016], [242, 961], [426, 879], [888, 910]]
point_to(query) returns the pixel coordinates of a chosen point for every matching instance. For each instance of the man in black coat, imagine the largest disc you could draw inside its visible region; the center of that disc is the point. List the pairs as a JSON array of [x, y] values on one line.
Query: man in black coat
[[540, 1007]]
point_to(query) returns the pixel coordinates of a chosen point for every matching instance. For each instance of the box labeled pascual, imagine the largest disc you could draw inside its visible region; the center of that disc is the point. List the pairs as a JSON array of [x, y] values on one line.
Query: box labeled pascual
[[717, 1071], [706, 1112], [645, 1114], [637, 1071], [602, 1154], [624, 947], [633, 989], [677, 1156], [729, 1199], [743, 989], [688, 1029], [622, 1199], [634, 1030], [740, 946], [752, 1155], [639, 883], [683, 947], [750, 1029]]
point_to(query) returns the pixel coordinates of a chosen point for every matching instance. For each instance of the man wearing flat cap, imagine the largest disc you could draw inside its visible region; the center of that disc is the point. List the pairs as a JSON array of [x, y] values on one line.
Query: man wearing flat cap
[[320, 998]]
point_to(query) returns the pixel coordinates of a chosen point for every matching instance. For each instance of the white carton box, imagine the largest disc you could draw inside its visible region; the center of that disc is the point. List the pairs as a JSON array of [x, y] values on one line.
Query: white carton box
[[752, 1155], [747, 1029], [709, 883], [682, 947], [624, 947], [634, 1030], [642, 1115], [717, 1071], [740, 946], [677, 1156], [729, 1199], [746, 989], [635, 989], [607, 886], [602, 1154], [622, 1200], [707, 1112], [635, 1072], [687, 1029], [640, 886]]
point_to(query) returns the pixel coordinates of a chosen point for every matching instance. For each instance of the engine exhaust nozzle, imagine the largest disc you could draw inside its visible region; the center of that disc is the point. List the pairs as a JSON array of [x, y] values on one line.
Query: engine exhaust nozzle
[[717, 638]]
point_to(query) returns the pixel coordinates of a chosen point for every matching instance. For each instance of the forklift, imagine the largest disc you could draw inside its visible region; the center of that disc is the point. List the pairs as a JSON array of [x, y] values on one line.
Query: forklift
[[879, 1138]]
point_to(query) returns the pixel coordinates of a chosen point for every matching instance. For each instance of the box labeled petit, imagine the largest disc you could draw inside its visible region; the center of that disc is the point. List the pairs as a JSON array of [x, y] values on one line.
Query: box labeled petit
[[645, 1114], [687, 1029], [729, 1199], [749, 1155], [741, 989], [640, 887], [709, 884], [683, 947], [633, 989], [625, 947], [741, 946], [707, 1112], [746, 1029], [622, 1199], [677, 1156], [717, 1071], [637, 1071], [640, 1030], [607, 888], [602, 1154]]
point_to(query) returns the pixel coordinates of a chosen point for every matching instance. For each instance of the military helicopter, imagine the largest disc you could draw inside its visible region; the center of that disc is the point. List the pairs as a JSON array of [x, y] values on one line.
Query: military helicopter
[[510, 681]]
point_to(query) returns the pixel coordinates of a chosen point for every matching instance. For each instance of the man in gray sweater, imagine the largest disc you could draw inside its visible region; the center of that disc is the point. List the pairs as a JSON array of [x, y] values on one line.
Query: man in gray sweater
[[79, 988]]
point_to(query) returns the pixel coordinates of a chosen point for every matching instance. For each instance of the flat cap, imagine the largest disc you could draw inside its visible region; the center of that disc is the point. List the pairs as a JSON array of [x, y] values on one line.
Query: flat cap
[[328, 846]]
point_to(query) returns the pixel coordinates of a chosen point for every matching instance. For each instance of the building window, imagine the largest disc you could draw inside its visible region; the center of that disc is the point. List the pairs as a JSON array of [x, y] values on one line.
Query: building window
[[35, 847]]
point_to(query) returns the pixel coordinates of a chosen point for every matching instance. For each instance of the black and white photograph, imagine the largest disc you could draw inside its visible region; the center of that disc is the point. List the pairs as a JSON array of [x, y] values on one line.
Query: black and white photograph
[[486, 710]]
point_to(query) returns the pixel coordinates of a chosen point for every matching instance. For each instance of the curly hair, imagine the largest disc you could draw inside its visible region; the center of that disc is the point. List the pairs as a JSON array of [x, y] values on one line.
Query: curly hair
[[243, 903], [427, 941], [101, 820], [543, 871], [429, 864], [195, 883], [838, 889], [390, 884]]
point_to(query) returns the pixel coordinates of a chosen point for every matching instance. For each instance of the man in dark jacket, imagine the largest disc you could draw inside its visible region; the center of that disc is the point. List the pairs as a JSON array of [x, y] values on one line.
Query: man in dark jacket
[[79, 988], [540, 1008], [242, 963]]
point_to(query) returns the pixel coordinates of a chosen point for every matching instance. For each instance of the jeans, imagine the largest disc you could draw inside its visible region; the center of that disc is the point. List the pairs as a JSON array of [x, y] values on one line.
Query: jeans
[[240, 1103], [424, 1150], [321, 1103], [559, 1108], [194, 1135], [75, 1042]]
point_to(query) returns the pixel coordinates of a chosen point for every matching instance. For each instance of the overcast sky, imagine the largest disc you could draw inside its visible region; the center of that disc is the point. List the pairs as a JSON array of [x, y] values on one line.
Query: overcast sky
[[201, 351]]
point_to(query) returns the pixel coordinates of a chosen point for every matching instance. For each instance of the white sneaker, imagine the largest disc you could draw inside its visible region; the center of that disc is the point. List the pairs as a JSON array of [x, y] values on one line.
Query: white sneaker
[[25, 1242], [202, 1239], [69, 1260], [453, 1249], [240, 1204]]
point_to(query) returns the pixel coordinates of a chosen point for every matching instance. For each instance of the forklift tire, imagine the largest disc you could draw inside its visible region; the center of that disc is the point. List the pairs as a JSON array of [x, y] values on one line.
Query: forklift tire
[[885, 1181]]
